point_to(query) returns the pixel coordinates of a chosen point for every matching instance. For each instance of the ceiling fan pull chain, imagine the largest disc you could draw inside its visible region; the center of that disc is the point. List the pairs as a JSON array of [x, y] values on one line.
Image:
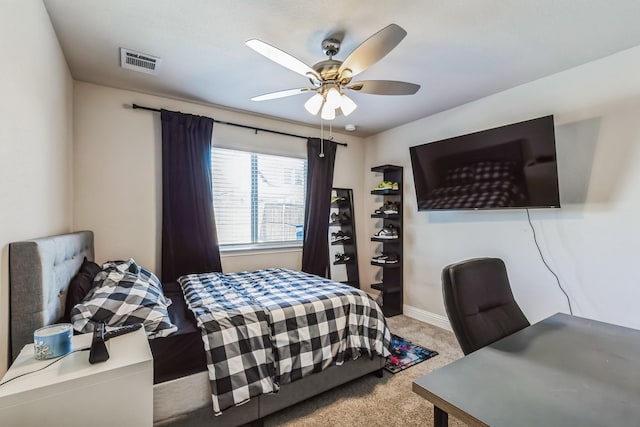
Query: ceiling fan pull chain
[[321, 138]]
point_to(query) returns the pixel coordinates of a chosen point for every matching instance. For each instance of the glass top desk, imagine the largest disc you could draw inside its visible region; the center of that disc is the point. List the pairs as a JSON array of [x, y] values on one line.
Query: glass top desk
[[562, 371]]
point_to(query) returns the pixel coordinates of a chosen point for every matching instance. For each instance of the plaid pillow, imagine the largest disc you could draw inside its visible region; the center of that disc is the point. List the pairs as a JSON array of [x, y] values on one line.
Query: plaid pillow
[[124, 294], [150, 278], [131, 266]]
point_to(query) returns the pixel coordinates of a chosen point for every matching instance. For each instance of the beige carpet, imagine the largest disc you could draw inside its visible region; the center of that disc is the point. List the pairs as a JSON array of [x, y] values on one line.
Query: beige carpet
[[371, 401]]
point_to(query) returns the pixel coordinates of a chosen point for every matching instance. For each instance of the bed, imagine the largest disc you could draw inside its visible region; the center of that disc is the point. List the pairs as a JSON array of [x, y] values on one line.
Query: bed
[[40, 272]]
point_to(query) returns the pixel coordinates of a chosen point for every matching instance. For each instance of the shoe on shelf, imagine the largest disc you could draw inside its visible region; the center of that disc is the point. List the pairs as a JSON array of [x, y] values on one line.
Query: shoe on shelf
[[387, 232], [344, 236], [343, 258], [387, 185], [340, 236], [380, 259], [339, 218], [344, 218], [384, 185], [385, 258], [392, 259], [336, 199], [388, 208], [391, 208]]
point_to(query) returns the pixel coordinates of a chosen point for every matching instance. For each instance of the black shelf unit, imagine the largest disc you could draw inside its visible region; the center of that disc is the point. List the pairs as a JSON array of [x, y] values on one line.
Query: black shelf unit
[[385, 216], [383, 240], [389, 290], [348, 274], [391, 286], [388, 266]]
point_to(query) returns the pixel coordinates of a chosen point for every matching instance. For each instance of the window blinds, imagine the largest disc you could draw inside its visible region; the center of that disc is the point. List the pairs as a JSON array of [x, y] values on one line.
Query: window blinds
[[257, 198]]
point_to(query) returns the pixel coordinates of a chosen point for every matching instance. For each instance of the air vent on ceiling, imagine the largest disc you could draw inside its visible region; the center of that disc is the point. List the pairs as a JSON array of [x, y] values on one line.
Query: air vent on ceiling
[[139, 61]]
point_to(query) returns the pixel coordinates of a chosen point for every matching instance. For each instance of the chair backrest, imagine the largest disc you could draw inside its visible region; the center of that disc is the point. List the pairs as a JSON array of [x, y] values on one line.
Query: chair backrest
[[479, 302]]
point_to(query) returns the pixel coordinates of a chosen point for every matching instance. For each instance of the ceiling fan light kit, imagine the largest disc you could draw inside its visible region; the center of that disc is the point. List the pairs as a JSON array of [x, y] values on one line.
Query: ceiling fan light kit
[[314, 104], [347, 105], [333, 96], [328, 113], [331, 78]]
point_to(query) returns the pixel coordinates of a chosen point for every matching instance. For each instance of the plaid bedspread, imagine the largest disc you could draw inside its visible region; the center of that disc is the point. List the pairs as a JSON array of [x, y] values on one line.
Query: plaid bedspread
[[270, 327]]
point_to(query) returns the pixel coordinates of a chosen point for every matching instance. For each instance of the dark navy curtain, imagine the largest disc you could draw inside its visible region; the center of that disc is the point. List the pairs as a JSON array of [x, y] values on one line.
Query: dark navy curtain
[[189, 238], [315, 248]]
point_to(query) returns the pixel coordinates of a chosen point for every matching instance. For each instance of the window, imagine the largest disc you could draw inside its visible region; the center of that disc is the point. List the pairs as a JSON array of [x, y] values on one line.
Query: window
[[258, 199]]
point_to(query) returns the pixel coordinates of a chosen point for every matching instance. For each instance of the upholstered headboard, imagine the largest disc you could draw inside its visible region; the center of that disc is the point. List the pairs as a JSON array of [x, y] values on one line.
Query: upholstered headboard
[[39, 274]]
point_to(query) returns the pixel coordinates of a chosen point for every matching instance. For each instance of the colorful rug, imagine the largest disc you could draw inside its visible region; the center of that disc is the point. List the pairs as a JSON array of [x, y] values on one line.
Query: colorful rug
[[405, 354]]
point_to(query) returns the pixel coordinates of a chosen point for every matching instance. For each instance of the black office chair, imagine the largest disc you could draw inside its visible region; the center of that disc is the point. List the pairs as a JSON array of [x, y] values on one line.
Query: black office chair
[[479, 302]]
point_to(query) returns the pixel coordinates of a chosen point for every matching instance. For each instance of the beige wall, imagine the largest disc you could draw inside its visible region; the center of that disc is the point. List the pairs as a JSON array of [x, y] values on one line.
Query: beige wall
[[35, 136], [591, 242], [117, 181]]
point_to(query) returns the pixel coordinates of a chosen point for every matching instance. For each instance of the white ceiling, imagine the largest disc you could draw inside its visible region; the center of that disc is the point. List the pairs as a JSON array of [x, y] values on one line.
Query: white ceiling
[[457, 50]]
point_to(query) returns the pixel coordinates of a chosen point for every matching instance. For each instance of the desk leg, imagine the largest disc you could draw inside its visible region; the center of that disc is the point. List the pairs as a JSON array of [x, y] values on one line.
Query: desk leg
[[440, 417]]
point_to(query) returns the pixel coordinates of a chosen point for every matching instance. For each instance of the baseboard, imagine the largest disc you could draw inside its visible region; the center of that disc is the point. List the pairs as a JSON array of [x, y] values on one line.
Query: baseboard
[[427, 317]]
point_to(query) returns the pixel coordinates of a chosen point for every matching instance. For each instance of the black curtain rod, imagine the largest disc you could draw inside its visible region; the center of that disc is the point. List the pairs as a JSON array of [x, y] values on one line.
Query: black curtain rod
[[157, 110]]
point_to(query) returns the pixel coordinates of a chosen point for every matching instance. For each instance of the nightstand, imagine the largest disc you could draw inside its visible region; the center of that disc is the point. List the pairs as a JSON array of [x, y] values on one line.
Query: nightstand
[[72, 392]]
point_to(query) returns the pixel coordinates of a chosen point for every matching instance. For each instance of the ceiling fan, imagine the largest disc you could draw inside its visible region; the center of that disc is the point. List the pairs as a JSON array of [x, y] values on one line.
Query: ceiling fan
[[330, 79]]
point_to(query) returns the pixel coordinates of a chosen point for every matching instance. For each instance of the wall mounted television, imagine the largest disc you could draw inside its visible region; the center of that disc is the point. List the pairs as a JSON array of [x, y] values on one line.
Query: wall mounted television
[[512, 166]]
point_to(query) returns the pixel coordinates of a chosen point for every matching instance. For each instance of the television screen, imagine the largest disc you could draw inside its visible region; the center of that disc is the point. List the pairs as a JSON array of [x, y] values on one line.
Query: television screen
[[511, 166]]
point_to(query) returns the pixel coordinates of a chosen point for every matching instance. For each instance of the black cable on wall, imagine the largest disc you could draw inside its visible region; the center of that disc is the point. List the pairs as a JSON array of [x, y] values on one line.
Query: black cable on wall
[[535, 239]]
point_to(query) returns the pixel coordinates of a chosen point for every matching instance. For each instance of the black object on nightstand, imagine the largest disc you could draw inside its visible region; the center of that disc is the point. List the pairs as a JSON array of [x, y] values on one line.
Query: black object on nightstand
[[99, 352], [121, 331]]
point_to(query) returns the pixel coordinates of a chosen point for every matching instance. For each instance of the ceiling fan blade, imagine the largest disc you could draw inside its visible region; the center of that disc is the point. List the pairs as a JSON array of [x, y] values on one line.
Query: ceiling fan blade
[[281, 94], [280, 57], [384, 87], [373, 49]]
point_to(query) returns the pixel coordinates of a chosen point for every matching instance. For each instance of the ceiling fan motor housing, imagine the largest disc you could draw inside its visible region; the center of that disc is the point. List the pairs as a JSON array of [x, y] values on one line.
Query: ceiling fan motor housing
[[331, 47], [328, 69]]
